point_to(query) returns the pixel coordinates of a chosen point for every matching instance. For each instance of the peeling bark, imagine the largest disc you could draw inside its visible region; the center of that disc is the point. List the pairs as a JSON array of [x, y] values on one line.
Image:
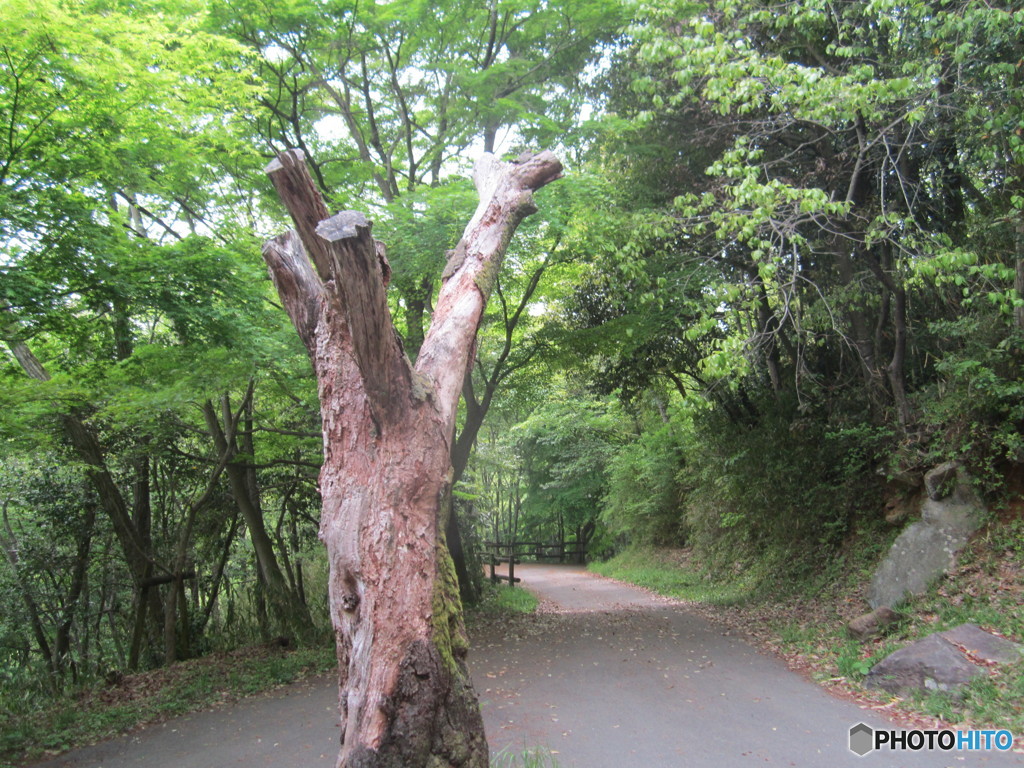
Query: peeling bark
[[405, 695]]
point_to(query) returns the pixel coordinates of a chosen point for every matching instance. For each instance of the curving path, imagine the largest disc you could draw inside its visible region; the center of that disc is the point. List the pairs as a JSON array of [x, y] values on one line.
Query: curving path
[[610, 676], [606, 676]]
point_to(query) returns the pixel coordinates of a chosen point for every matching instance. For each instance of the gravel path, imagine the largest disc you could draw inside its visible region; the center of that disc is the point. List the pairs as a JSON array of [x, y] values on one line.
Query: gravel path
[[605, 676]]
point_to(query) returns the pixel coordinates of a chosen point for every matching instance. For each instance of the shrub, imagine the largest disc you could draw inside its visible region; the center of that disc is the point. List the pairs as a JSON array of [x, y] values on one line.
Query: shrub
[[784, 492], [644, 497]]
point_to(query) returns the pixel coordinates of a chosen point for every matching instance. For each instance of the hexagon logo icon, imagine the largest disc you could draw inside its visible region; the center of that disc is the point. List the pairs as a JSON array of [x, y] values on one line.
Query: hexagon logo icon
[[862, 739]]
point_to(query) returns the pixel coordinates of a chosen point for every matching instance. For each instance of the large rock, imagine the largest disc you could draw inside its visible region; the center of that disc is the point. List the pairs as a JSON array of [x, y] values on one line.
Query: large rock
[[984, 645], [939, 662], [920, 554], [930, 664], [927, 549]]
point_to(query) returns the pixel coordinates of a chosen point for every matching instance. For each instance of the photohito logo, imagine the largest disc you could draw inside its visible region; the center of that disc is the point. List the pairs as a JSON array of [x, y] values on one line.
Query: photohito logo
[[865, 739]]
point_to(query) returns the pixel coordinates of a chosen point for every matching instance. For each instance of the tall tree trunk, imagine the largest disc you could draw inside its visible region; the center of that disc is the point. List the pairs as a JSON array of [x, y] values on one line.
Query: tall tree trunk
[[886, 271], [405, 694], [289, 607], [290, 614]]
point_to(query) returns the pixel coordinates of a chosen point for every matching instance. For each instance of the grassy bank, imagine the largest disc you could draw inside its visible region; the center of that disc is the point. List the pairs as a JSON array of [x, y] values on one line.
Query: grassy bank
[[499, 600], [670, 572], [805, 622]]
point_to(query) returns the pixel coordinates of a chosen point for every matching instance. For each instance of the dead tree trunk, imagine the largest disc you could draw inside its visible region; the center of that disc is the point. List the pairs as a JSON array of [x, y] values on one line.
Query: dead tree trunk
[[406, 698]]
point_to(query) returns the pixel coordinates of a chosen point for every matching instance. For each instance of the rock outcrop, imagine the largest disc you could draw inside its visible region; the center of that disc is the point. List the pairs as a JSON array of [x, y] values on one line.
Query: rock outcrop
[[928, 548], [944, 661]]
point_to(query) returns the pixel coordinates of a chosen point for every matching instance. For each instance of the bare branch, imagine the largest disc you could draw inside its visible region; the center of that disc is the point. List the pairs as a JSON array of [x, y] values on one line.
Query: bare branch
[[505, 199], [297, 284]]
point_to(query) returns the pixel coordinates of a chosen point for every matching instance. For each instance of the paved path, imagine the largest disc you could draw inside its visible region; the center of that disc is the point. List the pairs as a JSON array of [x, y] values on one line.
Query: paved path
[[620, 678], [607, 676]]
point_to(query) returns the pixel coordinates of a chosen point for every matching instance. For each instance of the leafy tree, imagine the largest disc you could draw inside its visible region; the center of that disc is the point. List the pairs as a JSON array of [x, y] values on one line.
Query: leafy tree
[[645, 493], [567, 444], [129, 294], [47, 522], [818, 234], [858, 162], [386, 100]]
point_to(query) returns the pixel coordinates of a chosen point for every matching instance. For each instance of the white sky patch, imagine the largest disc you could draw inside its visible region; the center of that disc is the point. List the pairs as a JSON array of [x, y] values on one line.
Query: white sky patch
[[537, 308], [331, 128], [276, 54]]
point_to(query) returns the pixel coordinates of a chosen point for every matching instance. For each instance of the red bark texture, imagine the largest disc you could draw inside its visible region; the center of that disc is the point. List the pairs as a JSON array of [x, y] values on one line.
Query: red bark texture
[[405, 696]]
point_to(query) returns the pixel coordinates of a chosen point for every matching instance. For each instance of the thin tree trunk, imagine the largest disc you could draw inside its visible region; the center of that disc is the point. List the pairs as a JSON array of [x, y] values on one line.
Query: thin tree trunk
[[218, 575], [300, 580], [289, 614], [62, 645], [138, 628], [405, 694], [1018, 282], [170, 624], [184, 646], [11, 551], [765, 335], [259, 597], [896, 370], [416, 302], [290, 609], [475, 413], [1017, 187]]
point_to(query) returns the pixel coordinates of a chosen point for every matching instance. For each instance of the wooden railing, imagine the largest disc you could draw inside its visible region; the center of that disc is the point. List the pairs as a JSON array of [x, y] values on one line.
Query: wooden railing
[[513, 554]]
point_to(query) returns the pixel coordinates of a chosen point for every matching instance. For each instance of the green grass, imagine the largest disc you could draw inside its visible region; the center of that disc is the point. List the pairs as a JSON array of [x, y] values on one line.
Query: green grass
[[528, 758], [35, 725], [502, 599], [997, 701], [647, 568]]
